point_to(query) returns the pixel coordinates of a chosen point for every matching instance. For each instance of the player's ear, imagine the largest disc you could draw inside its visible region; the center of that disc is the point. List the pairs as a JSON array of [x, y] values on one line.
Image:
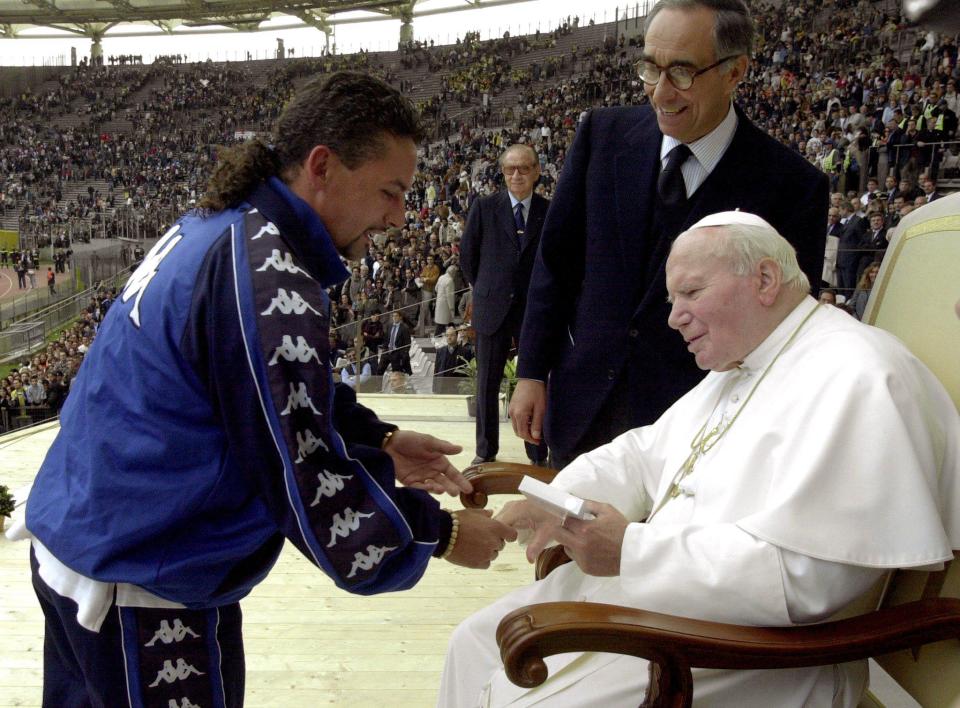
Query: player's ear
[[319, 164]]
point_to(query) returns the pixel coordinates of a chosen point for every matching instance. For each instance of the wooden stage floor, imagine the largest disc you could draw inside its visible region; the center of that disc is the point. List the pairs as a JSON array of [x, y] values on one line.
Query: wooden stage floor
[[307, 643]]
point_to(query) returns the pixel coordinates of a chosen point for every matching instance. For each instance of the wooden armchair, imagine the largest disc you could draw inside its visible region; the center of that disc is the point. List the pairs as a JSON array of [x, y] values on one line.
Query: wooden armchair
[[913, 297], [675, 645]]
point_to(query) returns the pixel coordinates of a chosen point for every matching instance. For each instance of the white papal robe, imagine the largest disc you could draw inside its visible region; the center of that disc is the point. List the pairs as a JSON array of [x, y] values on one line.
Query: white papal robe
[[842, 464]]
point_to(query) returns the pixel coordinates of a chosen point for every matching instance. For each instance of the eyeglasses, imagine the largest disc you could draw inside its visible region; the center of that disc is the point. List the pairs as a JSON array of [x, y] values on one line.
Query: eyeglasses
[[522, 169], [680, 76]]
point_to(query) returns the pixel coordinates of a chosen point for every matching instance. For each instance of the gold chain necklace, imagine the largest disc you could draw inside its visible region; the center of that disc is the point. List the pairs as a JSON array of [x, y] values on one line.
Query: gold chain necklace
[[704, 440]]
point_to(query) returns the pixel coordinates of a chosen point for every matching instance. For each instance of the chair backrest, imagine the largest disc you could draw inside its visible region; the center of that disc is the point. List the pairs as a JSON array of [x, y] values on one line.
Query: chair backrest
[[913, 298], [917, 286]]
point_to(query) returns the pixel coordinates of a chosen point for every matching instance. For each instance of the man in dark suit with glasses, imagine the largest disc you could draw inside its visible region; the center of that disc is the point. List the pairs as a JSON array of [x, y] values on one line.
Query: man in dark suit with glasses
[[496, 255], [596, 355]]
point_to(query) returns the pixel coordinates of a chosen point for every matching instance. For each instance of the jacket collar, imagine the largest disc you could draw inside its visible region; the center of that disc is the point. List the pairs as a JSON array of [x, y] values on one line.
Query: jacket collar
[[303, 231]]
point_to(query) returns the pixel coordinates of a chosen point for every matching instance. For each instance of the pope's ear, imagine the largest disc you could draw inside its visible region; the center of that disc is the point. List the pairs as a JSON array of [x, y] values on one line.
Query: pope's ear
[[769, 279]]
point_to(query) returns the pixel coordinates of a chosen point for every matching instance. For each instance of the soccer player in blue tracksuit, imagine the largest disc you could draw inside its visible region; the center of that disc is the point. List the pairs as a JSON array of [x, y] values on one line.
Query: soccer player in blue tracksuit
[[204, 427]]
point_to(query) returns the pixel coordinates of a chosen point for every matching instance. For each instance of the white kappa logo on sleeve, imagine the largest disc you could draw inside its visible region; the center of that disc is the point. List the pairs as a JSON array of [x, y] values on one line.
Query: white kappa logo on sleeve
[[148, 269]]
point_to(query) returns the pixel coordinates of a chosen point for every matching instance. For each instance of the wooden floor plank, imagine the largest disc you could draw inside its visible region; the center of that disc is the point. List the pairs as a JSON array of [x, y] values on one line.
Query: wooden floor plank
[[307, 642]]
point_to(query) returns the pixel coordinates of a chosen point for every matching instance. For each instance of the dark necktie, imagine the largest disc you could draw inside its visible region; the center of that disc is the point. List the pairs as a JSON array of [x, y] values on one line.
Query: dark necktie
[[520, 223], [670, 184], [518, 217]]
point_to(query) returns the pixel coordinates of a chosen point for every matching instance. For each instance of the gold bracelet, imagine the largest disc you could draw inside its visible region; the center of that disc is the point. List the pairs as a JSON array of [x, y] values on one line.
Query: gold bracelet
[[386, 439], [454, 532]]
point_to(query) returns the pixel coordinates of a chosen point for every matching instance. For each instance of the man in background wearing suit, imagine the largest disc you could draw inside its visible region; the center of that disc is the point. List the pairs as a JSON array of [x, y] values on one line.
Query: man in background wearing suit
[[452, 355], [596, 355], [397, 354], [497, 251], [848, 255]]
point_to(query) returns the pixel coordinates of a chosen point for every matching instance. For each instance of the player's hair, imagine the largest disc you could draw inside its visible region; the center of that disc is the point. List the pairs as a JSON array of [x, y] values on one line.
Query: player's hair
[[350, 113]]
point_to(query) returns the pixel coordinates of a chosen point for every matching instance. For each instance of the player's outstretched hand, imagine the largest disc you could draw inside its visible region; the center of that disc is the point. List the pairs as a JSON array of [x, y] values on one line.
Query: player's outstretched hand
[[420, 461]]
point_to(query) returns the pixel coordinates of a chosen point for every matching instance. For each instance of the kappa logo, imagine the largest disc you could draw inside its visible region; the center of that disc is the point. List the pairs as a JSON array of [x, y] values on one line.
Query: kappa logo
[[283, 263], [298, 398], [366, 562], [170, 673], [307, 444], [289, 303], [148, 269], [302, 352], [184, 703], [268, 229], [330, 484], [168, 634], [344, 525]]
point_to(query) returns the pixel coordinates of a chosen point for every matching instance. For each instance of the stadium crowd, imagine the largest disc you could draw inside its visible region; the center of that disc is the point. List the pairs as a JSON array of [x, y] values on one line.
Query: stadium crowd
[[37, 388], [845, 83]]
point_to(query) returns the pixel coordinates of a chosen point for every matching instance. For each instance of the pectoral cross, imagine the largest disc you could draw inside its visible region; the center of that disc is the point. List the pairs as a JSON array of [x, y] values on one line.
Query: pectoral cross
[[700, 445]]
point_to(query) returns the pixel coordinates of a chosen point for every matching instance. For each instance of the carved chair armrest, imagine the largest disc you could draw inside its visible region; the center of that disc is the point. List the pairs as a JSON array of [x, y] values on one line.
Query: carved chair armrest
[[674, 645], [549, 560], [499, 478], [504, 478]]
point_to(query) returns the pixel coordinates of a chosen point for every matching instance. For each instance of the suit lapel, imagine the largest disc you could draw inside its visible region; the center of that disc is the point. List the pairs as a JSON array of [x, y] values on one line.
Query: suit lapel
[[635, 170], [504, 220], [538, 211]]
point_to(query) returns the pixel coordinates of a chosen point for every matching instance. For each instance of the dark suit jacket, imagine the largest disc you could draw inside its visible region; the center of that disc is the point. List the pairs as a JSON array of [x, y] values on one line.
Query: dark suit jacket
[[447, 361], [594, 318], [851, 238], [490, 261], [399, 356], [873, 247]]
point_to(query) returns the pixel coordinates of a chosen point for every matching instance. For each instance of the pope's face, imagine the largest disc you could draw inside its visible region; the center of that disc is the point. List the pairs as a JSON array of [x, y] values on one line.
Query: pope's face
[[684, 37], [713, 309]]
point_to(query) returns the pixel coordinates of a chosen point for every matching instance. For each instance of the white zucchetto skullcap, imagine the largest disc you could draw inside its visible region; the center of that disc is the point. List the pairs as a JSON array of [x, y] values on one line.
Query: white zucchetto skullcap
[[729, 218]]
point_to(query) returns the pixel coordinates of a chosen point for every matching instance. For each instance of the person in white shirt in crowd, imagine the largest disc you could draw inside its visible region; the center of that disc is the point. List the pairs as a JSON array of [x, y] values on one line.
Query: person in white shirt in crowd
[[446, 307]]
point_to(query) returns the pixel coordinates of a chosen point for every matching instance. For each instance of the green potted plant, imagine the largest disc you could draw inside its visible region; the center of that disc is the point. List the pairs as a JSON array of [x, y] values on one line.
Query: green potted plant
[[509, 384], [7, 505], [468, 385]]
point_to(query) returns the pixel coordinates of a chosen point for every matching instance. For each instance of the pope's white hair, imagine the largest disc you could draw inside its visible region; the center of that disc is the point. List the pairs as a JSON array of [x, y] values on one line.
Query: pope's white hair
[[745, 245]]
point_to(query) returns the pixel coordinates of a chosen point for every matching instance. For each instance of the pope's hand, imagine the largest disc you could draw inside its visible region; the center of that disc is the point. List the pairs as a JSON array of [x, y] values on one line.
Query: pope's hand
[[420, 461], [480, 538], [527, 408], [594, 545], [527, 516]]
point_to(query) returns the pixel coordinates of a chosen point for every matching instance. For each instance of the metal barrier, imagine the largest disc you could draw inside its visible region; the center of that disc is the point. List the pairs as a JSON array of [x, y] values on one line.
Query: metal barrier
[[24, 416], [20, 339], [35, 299], [131, 223], [941, 159], [49, 318]]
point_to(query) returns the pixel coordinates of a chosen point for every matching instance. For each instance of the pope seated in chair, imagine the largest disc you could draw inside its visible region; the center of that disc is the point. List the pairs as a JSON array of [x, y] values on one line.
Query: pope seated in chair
[[818, 454]]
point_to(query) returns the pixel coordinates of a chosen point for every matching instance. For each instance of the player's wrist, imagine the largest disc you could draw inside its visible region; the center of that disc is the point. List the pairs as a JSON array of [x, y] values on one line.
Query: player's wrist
[[388, 438], [454, 535]]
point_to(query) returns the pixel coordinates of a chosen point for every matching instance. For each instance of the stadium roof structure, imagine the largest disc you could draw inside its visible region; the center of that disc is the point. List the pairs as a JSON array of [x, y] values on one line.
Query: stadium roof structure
[[95, 18]]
